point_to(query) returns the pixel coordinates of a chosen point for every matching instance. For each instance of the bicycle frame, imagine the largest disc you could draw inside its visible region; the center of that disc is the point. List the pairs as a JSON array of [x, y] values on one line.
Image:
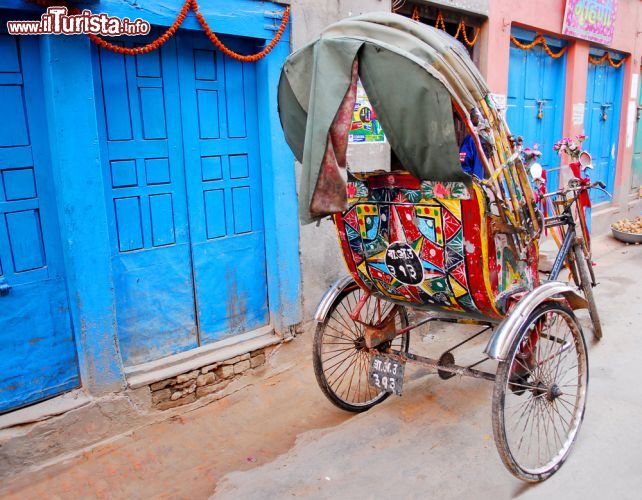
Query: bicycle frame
[[563, 253], [569, 238], [566, 221]]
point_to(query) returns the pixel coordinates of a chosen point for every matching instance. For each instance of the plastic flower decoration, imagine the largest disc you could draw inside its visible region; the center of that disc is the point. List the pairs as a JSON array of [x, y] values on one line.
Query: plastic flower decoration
[[531, 154], [571, 147]]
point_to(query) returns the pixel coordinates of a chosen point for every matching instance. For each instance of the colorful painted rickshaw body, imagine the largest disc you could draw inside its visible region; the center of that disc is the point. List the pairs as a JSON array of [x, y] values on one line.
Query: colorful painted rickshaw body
[[430, 245]]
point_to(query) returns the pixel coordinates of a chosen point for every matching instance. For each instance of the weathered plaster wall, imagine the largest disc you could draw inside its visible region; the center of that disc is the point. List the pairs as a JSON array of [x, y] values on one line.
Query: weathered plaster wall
[[321, 260], [547, 16]]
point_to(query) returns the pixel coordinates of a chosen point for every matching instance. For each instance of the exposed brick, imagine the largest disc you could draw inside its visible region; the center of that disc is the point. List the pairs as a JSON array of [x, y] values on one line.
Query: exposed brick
[[157, 386], [254, 354], [257, 360], [206, 379], [225, 371], [209, 368], [231, 361], [166, 405], [161, 395], [241, 366], [181, 379], [176, 395], [210, 389], [184, 385]]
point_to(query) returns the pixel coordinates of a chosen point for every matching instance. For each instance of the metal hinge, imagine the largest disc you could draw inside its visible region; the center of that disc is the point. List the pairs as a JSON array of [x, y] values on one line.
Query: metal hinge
[[275, 16]]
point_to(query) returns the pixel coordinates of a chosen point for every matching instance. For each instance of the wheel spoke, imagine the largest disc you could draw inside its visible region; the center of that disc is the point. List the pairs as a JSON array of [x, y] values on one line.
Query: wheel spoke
[[337, 365]]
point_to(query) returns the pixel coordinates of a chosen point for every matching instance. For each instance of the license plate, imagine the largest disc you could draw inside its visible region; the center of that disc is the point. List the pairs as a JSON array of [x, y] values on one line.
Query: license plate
[[386, 374]]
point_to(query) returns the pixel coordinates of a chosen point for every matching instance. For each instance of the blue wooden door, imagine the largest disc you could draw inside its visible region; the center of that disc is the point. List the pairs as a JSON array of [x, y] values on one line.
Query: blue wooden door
[[146, 202], [37, 349], [222, 168], [183, 188], [602, 123], [536, 99]]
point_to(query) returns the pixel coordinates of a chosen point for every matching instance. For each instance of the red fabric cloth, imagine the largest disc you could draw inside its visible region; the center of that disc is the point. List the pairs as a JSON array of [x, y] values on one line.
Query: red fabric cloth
[[585, 199], [330, 191]]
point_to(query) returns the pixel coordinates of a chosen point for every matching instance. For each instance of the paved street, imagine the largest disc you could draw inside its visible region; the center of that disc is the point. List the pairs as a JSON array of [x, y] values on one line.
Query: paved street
[[279, 437], [436, 441]]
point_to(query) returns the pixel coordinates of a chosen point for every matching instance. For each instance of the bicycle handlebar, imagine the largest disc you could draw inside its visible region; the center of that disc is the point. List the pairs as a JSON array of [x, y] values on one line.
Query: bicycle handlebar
[[596, 184]]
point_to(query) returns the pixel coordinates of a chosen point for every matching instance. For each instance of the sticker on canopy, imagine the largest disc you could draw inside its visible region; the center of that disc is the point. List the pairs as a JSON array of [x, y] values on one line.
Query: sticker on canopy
[[404, 263]]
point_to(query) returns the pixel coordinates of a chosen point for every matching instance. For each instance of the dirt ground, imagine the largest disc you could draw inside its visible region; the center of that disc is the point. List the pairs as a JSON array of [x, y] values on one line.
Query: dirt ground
[[280, 437]]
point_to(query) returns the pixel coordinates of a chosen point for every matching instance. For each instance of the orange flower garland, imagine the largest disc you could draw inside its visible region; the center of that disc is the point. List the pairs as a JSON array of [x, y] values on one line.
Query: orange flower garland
[[539, 38], [234, 55], [461, 28], [171, 31], [606, 57], [468, 42], [131, 51]]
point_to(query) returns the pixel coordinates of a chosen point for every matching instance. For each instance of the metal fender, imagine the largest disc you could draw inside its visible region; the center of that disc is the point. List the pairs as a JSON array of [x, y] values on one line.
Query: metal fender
[[330, 296], [509, 328]]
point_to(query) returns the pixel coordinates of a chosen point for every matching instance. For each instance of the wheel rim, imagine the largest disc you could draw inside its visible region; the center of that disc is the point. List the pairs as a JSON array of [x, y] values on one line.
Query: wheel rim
[[545, 393], [344, 358]]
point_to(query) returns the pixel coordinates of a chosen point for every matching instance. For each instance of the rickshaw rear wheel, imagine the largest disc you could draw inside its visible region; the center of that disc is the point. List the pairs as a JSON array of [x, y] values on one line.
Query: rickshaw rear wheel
[[540, 393], [340, 359]]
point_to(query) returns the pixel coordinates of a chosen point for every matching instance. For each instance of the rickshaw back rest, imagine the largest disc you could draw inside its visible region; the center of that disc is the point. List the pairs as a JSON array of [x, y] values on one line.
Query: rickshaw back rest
[[509, 329]]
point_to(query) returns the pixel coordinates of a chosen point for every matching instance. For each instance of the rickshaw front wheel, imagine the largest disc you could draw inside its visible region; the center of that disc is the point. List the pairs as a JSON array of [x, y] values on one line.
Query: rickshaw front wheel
[[540, 393], [341, 361]]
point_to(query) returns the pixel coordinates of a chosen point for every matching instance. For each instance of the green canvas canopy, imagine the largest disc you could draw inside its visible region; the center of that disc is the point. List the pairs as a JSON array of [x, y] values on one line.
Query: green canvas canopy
[[412, 73]]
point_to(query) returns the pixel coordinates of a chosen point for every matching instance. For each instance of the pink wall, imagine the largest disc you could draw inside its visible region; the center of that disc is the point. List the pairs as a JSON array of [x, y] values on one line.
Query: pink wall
[[546, 16]]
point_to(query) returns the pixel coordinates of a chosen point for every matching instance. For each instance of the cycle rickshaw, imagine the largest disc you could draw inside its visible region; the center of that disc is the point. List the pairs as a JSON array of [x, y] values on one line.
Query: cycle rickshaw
[[431, 238]]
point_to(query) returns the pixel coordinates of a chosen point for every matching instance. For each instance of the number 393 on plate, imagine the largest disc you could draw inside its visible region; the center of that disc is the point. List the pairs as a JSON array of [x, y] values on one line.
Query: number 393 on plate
[[386, 374]]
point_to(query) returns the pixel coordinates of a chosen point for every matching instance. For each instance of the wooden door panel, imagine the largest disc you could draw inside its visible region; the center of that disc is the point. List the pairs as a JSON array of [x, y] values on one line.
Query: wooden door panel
[[220, 134], [146, 202]]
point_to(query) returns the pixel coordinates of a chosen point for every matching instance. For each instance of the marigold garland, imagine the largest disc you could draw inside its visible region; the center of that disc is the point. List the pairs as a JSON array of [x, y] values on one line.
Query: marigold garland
[[235, 55], [440, 23], [606, 57], [468, 42], [155, 44], [539, 38], [131, 51], [440, 20]]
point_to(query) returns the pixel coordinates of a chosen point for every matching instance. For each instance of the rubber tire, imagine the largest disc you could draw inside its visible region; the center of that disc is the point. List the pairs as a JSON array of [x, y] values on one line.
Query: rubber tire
[[318, 368], [503, 372], [587, 288]]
